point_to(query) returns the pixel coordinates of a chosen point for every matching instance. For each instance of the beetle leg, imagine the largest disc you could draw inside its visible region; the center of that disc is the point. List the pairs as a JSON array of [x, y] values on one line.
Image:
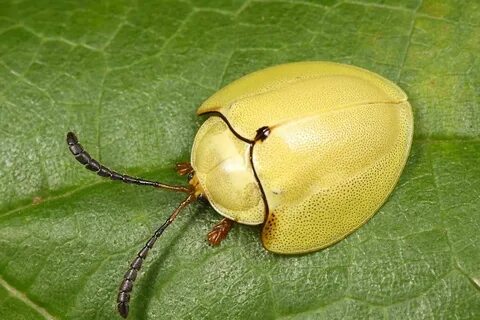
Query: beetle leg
[[219, 231], [183, 168]]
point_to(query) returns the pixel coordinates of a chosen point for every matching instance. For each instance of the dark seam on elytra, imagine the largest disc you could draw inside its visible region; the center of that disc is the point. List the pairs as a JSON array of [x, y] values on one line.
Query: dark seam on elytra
[[264, 197], [219, 114]]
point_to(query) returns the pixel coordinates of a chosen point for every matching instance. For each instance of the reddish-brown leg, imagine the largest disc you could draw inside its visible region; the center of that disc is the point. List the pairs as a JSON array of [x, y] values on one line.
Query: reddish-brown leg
[[219, 231], [183, 168]]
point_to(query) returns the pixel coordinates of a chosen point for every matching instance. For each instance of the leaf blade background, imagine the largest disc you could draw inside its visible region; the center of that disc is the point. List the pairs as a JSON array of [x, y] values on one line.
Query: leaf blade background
[[127, 77]]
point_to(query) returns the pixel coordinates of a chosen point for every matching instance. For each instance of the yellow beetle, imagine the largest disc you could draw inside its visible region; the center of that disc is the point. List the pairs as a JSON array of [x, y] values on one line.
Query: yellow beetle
[[310, 150]]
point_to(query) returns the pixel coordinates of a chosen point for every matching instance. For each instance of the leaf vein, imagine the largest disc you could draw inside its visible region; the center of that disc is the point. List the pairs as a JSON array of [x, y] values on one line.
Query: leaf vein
[[14, 292]]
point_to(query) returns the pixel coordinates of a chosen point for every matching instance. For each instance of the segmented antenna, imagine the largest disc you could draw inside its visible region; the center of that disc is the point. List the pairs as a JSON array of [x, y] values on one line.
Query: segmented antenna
[[126, 286], [84, 158]]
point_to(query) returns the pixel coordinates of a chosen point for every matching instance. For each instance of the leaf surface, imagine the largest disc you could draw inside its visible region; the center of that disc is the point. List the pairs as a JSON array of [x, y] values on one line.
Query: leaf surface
[[128, 76]]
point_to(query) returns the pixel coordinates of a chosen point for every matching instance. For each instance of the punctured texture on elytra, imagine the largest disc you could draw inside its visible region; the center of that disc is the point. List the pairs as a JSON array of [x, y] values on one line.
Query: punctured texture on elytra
[[338, 141]]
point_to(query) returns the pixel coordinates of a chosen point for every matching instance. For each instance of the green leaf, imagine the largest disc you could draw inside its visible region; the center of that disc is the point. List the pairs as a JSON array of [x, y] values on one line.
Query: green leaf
[[127, 77]]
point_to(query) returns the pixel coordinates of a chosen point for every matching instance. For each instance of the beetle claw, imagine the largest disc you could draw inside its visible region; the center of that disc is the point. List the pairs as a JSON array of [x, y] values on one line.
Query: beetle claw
[[183, 168], [219, 231]]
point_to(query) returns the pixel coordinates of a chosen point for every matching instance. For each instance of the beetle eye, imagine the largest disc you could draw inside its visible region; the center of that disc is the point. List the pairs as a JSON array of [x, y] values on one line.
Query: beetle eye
[[190, 176]]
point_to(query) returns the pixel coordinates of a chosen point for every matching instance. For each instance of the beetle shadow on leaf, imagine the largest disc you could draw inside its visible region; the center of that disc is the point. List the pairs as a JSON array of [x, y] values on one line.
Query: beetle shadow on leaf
[[146, 286]]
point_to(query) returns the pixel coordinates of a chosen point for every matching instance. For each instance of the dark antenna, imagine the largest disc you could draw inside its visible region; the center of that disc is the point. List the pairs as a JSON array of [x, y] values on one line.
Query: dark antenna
[[84, 158], [127, 284]]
